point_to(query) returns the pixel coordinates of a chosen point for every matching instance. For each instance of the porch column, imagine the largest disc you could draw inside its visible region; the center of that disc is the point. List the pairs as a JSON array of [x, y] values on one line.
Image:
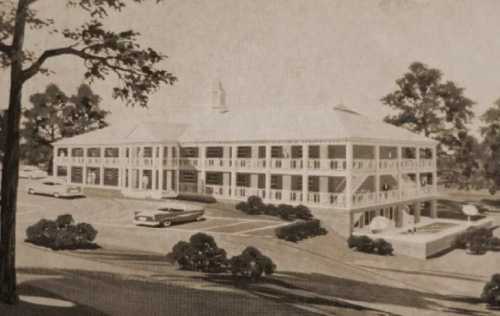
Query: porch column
[[434, 208], [377, 172], [233, 170], [416, 212], [160, 168], [398, 214], [434, 170], [268, 172], [305, 173], [399, 171], [348, 186], [84, 169], [417, 169]]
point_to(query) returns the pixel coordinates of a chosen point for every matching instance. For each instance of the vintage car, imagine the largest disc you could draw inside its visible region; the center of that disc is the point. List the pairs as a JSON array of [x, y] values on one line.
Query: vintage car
[[31, 172], [55, 187], [168, 214]]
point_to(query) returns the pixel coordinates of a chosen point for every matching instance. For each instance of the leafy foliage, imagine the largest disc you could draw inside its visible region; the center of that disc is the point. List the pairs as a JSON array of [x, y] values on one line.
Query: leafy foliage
[[368, 245], [255, 206], [477, 240], [53, 116], [491, 134], [300, 230], [252, 264], [491, 291], [426, 105], [62, 234], [201, 253]]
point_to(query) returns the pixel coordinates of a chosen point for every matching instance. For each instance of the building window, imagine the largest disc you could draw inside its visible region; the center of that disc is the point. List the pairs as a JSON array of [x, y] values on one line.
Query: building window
[[261, 181], [148, 152], [94, 152], [93, 176], [296, 152], [243, 180], [296, 183], [313, 183], [77, 152], [313, 151], [188, 176], [387, 152], [262, 152], [214, 178], [336, 152], [76, 174], [214, 152], [111, 176], [165, 152], [111, 152], [244, 152], [147, 179], [336, 184], [127, 152], [277, 152], [276, 182], [408, 153], [174, 152], [62, 152], [62, 171], [189, 152], [363, 152]]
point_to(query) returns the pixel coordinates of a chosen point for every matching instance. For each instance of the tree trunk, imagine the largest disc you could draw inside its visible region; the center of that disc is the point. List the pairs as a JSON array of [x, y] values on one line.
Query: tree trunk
[[11, 164]]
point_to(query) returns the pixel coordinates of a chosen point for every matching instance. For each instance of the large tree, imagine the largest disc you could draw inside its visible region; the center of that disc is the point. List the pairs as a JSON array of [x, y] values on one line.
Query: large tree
[[53, 116], [425, 104], [103, 52], [491, 133]]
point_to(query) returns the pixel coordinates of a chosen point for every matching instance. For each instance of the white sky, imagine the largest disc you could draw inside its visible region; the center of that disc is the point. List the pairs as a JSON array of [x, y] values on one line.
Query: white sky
[[283, 53]]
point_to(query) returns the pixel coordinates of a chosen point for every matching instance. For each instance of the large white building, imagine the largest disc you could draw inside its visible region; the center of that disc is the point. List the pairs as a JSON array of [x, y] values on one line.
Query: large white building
[[335, 161]]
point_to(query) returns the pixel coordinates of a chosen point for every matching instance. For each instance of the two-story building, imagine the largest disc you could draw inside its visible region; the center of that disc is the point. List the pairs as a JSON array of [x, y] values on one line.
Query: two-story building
[[335, 161]]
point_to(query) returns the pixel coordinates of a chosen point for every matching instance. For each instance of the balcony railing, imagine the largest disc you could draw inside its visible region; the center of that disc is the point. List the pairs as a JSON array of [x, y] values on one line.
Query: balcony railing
[[170, 163], [364, 164], [244, 192], [364, 199], [217, 163], [426, 163], [115, 161], [388, 164], [408, 164], [188, 162], [216, 190], [388, 196], [327, 199]]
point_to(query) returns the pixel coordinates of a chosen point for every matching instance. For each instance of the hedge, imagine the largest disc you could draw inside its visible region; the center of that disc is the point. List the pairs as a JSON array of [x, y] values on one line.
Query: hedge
[[491, 292], [300, 230], [477, 240], [368, 245], [255, 206], [201, 253], [61, 234], [196, 198]]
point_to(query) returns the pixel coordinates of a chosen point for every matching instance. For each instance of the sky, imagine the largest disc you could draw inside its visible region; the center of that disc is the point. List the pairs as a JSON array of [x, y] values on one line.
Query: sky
[[292, 53]]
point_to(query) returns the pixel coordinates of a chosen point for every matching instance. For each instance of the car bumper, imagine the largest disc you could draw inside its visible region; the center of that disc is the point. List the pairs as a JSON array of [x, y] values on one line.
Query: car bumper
[[146, 223]]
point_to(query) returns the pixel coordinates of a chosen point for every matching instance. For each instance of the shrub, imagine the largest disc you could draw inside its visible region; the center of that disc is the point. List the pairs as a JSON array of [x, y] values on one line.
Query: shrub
[[383, 247], [255, 203], [201, 253], [196, 198], [368, 245], [61, 234], [491, 291], [303, 212], [476, 240], [271, 210], [300, 230], [251, 263], [255, 206]]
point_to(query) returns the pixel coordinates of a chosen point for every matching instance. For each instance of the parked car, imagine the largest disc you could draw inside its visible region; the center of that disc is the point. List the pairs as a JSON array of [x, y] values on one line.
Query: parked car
[[55, 187], [31, 172], [169, 213]]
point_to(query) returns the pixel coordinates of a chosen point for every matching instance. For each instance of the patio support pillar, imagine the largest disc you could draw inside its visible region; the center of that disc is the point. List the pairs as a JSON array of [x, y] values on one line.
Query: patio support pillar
[[434, 170], [398, 216], [268, 172], [417, 172], [400, 173], [416, 212], [160, 168], [377, 172], [348, 186], [233, 170], [305, 173], [433, 203]]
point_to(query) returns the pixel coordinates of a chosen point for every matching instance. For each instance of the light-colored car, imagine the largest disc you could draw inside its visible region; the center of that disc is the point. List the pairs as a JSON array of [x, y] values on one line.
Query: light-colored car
[[55, 187], [169, 213], [31, 172]]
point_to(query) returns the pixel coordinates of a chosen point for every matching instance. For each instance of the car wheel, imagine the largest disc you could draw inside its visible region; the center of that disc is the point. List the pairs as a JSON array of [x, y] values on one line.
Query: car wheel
[[165, 224], [31, 191], [56, 195]]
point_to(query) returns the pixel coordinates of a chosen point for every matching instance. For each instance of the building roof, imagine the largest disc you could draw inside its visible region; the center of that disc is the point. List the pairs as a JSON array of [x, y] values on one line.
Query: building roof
[[268, 125]]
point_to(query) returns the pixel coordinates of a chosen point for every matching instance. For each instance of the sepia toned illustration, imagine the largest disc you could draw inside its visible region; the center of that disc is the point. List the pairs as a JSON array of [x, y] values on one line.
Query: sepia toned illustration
[[268, 157]]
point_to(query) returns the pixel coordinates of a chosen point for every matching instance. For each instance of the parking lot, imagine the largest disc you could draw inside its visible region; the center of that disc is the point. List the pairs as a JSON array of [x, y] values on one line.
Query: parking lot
[[118, 213]]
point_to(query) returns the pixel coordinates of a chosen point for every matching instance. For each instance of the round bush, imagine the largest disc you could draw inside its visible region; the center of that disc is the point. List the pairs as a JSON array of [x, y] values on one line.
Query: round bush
[[491, 291], [252, 264]]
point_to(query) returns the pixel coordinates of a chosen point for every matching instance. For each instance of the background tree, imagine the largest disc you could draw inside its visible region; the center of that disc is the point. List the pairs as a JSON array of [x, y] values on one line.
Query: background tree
[[54, 116], [424, 104], [103, 52], [491, 133]]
